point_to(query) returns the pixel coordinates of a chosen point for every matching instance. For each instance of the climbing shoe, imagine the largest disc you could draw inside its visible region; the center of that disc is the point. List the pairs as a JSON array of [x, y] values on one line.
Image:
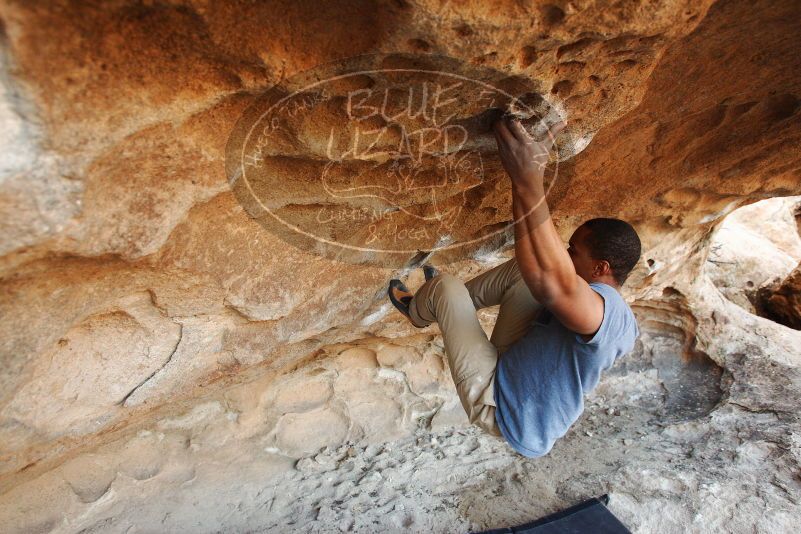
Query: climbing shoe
[[429, 271], [399, 300]]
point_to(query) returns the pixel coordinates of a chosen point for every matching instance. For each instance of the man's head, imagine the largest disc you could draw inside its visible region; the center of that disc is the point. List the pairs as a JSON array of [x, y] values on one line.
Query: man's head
[[604, 250]]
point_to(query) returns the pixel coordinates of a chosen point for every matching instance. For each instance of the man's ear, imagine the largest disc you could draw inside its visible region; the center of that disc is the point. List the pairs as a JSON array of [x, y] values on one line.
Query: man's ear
[[601, 268]]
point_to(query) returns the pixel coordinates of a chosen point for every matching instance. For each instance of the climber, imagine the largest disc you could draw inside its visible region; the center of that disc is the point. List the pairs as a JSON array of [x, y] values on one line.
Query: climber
[[561, 321]]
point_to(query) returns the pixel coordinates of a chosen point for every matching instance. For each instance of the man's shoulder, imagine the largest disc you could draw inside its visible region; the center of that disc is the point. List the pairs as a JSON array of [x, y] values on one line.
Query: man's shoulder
[[619, 319], [612, 297], [605, 288]]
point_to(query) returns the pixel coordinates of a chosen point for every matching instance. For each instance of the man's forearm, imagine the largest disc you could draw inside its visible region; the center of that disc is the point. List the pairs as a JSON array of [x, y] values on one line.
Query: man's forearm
[[540, 253], [545, 264]]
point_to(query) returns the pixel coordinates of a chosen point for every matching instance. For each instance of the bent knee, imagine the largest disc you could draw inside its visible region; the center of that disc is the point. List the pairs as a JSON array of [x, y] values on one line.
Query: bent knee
[[450, 284]]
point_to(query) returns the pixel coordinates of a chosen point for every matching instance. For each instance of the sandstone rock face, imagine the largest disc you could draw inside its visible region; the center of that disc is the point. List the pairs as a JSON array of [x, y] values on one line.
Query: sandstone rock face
[[782, 302], [748, 257], [160, 336]]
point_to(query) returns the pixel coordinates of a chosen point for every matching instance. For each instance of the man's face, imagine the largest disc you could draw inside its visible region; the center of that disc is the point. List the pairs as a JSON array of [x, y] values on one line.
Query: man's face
[[580, 254]]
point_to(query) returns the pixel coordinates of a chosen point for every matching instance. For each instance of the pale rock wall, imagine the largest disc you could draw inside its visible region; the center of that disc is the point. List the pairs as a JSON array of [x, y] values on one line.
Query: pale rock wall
[[781, 302]]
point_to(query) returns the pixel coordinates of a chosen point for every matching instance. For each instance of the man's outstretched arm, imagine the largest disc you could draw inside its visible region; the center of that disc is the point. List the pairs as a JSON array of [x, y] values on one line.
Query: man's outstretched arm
[[541, 256]]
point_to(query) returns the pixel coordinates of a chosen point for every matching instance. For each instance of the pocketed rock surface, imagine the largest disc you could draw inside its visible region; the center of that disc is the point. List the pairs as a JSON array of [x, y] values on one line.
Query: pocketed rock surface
[[171, 365], [782, 301]]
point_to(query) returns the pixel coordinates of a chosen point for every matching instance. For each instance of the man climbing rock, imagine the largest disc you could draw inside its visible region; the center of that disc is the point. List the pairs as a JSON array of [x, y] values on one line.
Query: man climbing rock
[[561, 321]]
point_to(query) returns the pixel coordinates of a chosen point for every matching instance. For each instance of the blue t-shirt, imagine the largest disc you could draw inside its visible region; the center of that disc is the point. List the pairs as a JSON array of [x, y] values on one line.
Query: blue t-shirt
[[541, 379]]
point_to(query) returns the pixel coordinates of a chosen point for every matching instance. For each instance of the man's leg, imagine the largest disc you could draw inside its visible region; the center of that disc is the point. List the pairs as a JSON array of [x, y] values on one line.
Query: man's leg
[[472, 358], [504, 285]]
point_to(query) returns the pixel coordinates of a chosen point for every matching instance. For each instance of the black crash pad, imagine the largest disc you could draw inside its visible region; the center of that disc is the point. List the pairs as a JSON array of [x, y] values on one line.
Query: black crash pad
[[589, 517]]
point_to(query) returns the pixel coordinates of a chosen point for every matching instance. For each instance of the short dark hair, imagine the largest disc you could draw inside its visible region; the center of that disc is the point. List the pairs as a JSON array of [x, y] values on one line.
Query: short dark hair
[[615, 241]]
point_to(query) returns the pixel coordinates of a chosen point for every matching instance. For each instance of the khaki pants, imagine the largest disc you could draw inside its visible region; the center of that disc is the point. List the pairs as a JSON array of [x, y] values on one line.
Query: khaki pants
[[472, 357]]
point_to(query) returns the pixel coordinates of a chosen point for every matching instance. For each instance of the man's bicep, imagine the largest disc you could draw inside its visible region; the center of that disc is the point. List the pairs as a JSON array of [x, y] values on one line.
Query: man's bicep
[[580, 310]]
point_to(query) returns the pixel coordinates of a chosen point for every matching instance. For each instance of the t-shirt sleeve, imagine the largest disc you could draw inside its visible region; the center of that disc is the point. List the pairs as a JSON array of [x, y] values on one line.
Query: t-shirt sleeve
[[611, 311]]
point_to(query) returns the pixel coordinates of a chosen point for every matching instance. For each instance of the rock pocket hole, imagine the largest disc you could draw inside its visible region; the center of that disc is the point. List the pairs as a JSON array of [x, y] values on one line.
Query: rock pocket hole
[[689, 380], [552, 15]]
